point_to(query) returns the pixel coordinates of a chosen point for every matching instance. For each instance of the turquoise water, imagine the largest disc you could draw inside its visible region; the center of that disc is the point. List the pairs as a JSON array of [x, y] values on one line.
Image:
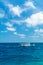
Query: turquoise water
[[15, 54], [32, 63], [20, 61]]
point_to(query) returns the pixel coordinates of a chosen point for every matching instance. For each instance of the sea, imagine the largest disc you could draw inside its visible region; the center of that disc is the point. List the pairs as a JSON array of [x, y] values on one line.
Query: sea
[[21, 53]]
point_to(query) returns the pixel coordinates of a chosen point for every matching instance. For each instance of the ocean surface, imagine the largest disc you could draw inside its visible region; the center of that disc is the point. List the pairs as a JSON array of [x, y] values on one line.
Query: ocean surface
[[21, 53]]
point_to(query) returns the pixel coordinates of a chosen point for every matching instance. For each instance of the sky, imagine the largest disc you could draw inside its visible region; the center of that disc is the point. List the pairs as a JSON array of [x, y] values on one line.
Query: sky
[[21, 21]]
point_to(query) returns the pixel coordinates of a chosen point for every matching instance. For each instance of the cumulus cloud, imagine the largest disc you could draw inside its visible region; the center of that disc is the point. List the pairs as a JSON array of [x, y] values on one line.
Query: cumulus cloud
[[29, 4], [39, 30], [35, 19], [16, 10], [11, 29], [20, 35], [32, 21], [8, 24]]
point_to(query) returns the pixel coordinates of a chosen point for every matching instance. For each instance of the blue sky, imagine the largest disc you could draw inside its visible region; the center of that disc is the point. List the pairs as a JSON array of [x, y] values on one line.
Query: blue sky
[[21, 21]]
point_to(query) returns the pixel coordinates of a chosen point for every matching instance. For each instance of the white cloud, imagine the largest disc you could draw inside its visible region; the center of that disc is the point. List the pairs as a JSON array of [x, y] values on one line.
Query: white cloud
[[16, 10], [2, 14], [11, 29], [38, 33], [8, 24], [35, 19], [29, 4], [39, 30], [20, 35]]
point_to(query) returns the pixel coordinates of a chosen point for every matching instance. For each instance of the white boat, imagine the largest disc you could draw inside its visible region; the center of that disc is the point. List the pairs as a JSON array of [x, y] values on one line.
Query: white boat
[[27, 44]]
